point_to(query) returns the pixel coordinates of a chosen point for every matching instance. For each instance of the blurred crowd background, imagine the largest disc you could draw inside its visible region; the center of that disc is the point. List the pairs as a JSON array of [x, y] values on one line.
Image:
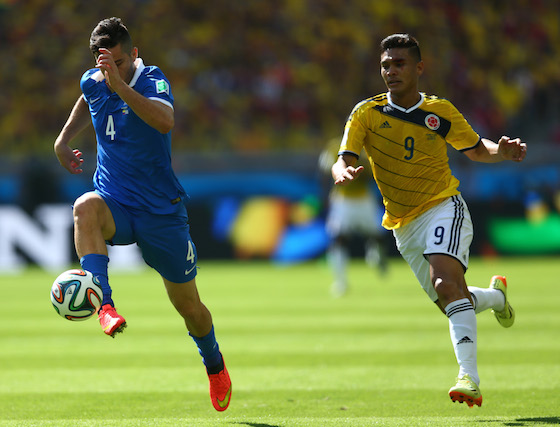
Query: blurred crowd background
[[257, 75], [260, 88]]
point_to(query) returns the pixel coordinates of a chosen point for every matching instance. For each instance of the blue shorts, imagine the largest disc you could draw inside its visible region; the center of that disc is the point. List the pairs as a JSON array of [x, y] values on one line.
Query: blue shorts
[[164, 240]]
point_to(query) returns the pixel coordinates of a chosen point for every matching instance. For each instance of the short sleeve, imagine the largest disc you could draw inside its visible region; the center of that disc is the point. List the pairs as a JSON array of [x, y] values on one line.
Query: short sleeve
[[461, 135]]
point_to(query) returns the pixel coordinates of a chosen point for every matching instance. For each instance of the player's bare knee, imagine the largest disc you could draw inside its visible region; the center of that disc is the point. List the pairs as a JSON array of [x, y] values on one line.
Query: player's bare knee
[[447, 290], [189, 310], [86, 209]]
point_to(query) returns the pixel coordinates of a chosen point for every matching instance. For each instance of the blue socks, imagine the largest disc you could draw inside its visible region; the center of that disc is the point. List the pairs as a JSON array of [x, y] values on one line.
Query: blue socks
[[97, 265], [210, 352], [207, 345]]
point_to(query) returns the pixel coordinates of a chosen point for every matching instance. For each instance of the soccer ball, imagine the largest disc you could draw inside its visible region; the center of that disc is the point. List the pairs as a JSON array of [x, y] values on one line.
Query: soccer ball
[[76, 295]]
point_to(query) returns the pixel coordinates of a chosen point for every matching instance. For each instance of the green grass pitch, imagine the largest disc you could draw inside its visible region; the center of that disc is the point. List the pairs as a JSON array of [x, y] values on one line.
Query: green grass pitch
[[380, 356]]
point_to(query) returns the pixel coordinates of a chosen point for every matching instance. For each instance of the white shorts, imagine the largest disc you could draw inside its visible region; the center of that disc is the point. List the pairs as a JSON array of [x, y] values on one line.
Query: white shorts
[[353, 215], [444, 229]]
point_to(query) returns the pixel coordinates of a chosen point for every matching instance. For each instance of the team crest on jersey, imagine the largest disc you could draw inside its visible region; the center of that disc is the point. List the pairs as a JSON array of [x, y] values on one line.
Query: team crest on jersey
[[162, 87], [432, 121]]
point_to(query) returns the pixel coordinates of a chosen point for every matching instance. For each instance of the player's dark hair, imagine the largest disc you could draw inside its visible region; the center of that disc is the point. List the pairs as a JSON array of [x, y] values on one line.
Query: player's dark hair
[[402, 41], [109, 33]]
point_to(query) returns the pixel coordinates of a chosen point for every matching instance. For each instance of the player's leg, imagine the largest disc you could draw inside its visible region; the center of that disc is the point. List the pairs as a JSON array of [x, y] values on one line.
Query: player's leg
[[448, 278], [483, 299], [436, 246], [93, 226], [198, 320], [167, 247], [495, 298], [448, 239], [452, 297], [447, 275], [339, 226], [338, 257], [375, 255], [367, 221]]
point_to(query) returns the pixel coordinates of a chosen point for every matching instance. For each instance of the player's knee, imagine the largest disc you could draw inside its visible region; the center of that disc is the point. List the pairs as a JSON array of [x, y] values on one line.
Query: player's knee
[[447, 290], [86, 209], [190, 310]]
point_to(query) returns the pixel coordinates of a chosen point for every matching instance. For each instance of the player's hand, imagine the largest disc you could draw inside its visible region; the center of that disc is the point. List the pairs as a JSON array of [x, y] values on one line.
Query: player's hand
[[349, 174], [71, 160], [512, 149], [106, 63]]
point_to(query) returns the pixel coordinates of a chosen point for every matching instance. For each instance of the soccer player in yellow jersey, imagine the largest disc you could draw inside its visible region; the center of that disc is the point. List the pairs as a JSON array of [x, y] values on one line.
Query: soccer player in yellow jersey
[[353, 211], [405, 135]]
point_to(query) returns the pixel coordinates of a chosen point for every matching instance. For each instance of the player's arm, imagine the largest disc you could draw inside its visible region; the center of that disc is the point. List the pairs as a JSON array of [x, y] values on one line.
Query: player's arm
[[156, 114], [78, 120], [506, 149], [343, 171]]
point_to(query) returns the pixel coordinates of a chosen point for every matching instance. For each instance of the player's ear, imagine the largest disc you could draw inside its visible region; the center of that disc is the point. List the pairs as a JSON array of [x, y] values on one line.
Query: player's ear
[[134, 53], [420, 68]]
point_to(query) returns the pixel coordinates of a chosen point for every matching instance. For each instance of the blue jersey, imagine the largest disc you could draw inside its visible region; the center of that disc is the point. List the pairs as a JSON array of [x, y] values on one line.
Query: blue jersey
[[133, 158]]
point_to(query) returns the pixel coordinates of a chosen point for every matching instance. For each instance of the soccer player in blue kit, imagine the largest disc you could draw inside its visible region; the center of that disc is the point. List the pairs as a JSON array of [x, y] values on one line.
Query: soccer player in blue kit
[[137, 197]]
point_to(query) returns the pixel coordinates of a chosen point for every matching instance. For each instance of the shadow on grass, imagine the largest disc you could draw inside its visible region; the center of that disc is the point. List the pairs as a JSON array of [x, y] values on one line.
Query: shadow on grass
[[529, 421], [257, 424]]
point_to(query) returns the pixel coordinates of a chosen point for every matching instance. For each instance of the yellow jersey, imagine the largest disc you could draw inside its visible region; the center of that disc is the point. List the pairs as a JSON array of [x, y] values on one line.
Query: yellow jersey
[[358, 188], [407, 150]]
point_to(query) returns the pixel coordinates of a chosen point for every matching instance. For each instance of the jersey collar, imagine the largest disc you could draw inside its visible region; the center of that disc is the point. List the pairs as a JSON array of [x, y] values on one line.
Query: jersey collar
[[139, 68], [405, 110]]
